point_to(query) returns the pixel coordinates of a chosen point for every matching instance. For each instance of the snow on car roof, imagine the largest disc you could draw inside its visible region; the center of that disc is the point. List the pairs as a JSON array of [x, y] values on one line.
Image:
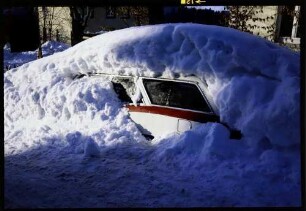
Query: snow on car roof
[[182, 48]]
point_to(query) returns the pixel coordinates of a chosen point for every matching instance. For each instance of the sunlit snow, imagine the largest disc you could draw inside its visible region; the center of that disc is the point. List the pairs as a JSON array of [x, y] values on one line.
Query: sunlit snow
[[70, 143]]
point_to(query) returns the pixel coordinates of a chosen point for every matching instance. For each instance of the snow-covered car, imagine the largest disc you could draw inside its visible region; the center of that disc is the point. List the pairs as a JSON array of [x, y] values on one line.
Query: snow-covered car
[[161, 106], [60, 133]]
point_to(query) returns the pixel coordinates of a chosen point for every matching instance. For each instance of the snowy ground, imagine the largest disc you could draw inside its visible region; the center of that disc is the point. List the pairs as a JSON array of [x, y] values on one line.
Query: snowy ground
[[69, 143], [17, 59]]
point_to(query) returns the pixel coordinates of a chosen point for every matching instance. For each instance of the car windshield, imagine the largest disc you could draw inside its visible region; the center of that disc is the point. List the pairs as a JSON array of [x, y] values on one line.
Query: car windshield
[[175, 94]]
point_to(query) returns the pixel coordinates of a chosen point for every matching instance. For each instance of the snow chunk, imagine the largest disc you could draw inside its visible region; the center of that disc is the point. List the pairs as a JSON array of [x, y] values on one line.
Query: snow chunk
[[200, 145], [91, 148]]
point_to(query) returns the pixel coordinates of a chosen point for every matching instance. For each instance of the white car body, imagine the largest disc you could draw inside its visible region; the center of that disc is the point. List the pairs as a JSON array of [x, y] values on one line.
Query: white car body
[[157, 120]]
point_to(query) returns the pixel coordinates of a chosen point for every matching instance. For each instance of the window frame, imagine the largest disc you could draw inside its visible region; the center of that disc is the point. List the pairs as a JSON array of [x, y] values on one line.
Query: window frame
[[126, 15], [108, 11], [292, 39]]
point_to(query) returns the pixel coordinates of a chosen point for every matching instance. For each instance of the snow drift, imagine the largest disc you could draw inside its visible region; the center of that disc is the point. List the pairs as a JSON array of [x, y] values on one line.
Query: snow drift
[[254, 83], [17, 59]]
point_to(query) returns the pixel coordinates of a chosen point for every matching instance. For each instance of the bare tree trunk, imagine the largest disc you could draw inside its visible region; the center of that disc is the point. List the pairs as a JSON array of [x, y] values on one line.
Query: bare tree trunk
[[39, 52], [44, 12], [79, 16]]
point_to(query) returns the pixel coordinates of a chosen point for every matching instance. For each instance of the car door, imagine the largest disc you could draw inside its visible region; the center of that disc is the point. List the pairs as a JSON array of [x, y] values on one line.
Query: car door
[[169, 106]]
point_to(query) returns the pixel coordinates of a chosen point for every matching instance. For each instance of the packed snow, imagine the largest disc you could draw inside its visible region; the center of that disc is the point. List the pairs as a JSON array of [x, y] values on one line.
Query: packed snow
[[70, 143]]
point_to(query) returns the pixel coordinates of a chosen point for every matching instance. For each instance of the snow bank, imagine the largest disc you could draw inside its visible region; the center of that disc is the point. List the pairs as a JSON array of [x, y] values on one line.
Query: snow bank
[[12, 60], [51, 47], [254, 83], [53, 106]]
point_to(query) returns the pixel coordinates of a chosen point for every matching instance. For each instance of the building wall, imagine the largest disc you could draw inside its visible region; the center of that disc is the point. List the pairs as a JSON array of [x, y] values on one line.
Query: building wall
[[272, 23], [263, 21], [57, 24], [101, 21]]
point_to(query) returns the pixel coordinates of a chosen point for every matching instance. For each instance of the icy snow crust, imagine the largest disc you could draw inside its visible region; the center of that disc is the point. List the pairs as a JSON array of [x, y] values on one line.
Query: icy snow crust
[[75, 132]]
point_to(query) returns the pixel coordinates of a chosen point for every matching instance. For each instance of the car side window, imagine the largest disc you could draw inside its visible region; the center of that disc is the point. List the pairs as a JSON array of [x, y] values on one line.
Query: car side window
[[121, 93], [175, 94], [124, 88]]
